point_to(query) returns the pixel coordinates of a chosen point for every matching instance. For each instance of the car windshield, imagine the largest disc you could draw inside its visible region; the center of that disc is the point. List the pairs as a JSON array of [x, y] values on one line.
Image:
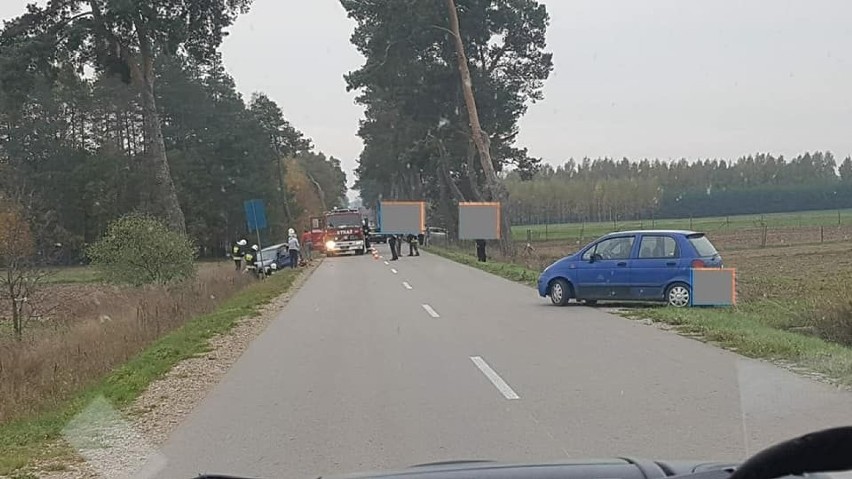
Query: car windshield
[[702, 245], [219, 251]]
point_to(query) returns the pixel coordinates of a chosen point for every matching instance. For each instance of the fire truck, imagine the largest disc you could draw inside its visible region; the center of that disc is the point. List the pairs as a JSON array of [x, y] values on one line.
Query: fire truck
[[338, 231]]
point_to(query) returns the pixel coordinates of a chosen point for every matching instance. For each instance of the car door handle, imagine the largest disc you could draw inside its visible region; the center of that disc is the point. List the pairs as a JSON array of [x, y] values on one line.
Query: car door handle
[[671, 263], [622, 263]]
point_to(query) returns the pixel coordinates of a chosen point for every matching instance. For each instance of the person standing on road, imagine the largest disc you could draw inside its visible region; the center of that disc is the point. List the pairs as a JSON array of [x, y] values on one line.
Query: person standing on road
[[293, 245], [366, 229], [392, 244], [308, 245], [413, 250], [399, 240], [480, 250]]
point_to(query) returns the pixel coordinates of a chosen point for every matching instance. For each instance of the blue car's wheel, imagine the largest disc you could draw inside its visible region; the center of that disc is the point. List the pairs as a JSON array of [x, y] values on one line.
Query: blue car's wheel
[[560, 292], [678, 295]]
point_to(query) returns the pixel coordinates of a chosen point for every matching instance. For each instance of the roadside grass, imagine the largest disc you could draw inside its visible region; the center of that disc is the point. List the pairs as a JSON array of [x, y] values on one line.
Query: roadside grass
[[785, 297], [510, 271], [88, 274], [590, 230], [754, 331], [25, 440]]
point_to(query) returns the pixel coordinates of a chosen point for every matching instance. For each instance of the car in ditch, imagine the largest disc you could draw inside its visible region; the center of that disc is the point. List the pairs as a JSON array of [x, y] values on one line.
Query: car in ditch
[[273, 258], [643, 265]]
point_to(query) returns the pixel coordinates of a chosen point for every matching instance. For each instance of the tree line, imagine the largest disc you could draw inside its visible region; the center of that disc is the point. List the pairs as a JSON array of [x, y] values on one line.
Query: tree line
[[606, 189], [418, 141], [109, 107]]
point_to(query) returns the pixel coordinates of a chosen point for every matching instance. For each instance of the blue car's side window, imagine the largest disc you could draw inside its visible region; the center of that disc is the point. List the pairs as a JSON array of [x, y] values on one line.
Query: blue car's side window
[[611, 248], [658, 247]]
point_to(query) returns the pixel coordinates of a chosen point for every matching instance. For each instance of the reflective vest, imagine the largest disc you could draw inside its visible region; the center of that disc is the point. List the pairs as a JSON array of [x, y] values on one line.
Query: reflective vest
[[236, 251], [249, 258]]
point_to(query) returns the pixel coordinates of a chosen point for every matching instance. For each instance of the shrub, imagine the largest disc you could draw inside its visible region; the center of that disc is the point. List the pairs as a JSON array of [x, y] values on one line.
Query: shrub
[[139, 249]]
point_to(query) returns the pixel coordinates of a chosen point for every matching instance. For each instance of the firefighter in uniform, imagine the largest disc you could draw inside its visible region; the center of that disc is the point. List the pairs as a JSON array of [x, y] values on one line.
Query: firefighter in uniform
[[366, 230], [237, 253], [249, 257], [413, 250]]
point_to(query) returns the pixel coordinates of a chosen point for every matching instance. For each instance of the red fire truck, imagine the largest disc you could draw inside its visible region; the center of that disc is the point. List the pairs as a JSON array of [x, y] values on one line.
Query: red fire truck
[[338, 231]]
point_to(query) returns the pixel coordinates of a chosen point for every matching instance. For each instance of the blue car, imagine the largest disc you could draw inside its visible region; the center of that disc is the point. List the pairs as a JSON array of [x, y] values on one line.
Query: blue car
[[646, 265]]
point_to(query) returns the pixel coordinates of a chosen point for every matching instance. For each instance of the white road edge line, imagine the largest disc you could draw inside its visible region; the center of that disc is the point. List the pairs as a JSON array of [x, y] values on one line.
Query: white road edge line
[[406, 285], [495, 379], [431, 311], [394, 271]]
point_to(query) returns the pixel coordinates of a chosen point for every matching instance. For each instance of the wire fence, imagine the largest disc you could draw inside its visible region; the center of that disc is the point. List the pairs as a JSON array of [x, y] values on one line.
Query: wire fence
[[733, 231]]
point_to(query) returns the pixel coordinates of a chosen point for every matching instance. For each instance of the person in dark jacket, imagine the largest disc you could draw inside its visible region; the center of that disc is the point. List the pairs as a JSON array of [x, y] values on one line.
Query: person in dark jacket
[[399, 240], [392, 244], [366, 229], [249, 258], [413, 250], [237, 252], [480, 250]]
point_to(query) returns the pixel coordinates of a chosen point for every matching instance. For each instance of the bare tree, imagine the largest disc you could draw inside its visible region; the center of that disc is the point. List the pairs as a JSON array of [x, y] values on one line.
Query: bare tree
[[21, 274], [497, 190]]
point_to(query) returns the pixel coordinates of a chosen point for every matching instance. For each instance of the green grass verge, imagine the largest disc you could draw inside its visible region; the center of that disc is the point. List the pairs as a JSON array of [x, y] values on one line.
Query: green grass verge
[[506, 270], [74, 275], [756, 330], [24, 441], [706, 224]]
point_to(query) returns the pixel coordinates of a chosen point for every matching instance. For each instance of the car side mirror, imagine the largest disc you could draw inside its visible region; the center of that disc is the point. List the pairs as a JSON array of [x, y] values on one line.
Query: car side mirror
[[595, 257]]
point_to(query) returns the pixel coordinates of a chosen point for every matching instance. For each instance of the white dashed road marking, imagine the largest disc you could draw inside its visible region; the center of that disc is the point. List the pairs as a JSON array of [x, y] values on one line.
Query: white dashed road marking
[[406, 285], [494, 378], [387, 262], [394, 271], [431, 311]]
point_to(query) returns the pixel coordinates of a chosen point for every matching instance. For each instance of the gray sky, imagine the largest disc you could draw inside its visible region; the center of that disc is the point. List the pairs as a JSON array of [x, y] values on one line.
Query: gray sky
[[653, 78]]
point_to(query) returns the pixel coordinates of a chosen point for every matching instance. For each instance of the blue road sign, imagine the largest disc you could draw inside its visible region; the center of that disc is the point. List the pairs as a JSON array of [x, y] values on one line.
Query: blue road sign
[[255, 215]]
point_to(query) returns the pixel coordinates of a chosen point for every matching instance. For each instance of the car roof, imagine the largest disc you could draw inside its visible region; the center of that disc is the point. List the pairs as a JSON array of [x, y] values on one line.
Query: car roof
[[274, 246], [675, 232]]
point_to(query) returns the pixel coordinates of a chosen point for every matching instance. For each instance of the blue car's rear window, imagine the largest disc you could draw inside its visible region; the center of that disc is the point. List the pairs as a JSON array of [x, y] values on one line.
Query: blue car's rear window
[[702, 245]]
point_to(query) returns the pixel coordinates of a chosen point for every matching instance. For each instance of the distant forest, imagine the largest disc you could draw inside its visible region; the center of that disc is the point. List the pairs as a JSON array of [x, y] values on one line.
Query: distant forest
[[607, 189]]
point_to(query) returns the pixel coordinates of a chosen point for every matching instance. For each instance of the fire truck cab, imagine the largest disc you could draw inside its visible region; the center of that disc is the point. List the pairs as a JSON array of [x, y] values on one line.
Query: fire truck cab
[[341, 232]]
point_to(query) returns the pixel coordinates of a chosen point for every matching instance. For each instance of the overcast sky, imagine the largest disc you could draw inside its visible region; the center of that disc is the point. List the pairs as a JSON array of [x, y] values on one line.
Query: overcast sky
[[652, 78]]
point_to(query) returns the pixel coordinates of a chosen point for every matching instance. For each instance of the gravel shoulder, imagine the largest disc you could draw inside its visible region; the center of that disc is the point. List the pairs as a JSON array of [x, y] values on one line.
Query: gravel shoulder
[[164, 405]]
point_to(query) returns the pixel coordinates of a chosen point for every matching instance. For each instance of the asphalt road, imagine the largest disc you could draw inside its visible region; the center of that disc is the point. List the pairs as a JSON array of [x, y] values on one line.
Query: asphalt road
[[377, 365]]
